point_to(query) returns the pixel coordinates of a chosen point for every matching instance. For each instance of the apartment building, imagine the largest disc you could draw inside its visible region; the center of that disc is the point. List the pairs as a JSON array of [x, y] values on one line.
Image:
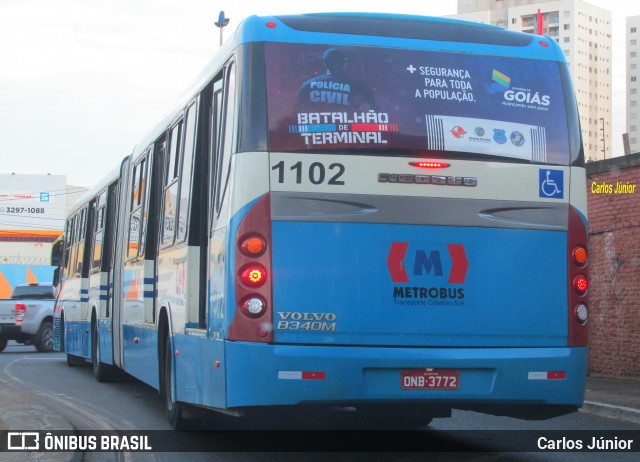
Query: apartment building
[[584, 32], [633, 83]]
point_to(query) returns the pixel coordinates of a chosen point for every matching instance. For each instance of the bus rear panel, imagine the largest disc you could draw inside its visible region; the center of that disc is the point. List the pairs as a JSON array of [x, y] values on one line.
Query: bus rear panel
[[421, 215]]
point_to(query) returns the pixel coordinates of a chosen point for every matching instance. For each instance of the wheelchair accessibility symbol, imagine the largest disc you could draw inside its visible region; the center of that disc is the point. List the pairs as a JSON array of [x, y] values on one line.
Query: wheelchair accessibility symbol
[[551, 184]]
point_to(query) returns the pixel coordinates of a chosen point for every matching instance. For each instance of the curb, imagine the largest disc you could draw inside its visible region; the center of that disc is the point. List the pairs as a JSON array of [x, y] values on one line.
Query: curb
[[23, 411], [610, 411], [20, 411]]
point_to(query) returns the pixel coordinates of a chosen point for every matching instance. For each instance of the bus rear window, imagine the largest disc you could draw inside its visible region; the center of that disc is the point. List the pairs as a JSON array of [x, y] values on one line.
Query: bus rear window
[[388, 101]]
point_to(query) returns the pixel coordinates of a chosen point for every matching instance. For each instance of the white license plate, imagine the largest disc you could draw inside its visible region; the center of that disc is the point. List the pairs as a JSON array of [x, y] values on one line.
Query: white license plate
[[430, 379]]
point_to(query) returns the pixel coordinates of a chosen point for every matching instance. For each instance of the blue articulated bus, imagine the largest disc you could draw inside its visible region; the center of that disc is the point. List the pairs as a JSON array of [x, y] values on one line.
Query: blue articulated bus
[[379, 212]]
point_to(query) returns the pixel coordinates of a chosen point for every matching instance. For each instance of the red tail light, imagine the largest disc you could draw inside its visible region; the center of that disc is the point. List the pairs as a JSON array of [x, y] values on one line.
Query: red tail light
[[253, 275], [21, 312], [580, 284], [577, 279], [253, 319]]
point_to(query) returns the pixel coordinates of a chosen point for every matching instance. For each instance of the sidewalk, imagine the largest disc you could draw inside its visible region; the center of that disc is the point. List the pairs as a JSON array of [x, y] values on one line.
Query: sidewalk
[[20, 411], [617, 399]]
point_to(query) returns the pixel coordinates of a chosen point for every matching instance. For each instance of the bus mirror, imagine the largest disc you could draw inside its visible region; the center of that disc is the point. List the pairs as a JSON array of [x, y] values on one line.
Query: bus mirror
[[56, 252], [56, 277]]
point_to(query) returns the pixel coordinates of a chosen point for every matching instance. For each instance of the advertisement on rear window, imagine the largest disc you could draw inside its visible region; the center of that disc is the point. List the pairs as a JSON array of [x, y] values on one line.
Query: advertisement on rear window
[[380, 99]]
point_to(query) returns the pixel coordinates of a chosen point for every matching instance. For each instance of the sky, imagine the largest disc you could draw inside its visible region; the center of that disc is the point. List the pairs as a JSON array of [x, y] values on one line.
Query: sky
[[82, 81]]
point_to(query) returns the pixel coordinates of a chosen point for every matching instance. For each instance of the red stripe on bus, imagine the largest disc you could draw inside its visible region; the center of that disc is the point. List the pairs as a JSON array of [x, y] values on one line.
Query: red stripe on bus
[[313, 375], [460, 264], [395, 261]]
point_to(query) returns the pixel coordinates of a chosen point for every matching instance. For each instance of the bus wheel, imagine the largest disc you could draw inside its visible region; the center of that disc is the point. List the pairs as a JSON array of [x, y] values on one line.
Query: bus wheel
[[174, 409], [3, 344], [102, 372]]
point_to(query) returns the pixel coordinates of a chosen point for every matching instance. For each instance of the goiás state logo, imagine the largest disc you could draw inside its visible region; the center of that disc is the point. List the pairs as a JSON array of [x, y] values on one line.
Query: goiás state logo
[[428, 275]]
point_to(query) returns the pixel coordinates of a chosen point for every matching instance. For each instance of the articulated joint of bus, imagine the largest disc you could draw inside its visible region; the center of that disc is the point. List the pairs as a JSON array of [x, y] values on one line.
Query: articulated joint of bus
[[253, 317]]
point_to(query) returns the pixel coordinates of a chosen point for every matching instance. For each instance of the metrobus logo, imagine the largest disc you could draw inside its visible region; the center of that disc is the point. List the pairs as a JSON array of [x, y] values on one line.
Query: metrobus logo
[[427, 261]]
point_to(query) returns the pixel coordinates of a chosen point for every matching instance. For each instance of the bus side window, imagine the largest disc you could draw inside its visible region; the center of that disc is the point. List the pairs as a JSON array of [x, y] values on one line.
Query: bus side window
[[222, 139], [80, 240], [134, 215], [153, 203], [214, 148], [136, 223], [68, 244], [98, 237], [226, 144], [187, 172], [147, 179], [171, 188], [74, 242]]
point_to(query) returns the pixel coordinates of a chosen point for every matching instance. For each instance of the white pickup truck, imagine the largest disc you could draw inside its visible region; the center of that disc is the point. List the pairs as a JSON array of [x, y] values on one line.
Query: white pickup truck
[[27, 317]]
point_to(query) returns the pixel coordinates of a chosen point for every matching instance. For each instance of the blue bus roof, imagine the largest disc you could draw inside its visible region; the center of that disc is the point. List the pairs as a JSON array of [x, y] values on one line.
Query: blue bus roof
[[398, 31]]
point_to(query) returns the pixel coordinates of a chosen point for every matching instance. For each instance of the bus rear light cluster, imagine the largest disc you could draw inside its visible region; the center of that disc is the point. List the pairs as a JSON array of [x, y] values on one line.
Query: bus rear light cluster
[[253, 319], [577, 279]]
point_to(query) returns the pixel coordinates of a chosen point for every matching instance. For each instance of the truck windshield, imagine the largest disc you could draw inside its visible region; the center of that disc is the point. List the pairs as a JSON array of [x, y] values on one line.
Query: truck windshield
[[40, 292]]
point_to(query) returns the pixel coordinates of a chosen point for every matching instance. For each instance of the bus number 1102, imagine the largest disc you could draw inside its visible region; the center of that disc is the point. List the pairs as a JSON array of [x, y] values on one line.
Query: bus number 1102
[[317, 173]]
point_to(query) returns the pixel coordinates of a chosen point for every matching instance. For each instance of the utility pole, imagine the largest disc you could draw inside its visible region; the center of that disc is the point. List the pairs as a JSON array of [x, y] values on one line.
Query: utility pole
[[222, 21]]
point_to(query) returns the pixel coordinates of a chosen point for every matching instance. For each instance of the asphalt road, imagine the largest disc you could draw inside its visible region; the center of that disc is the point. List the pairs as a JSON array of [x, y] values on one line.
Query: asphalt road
[[131, 405]]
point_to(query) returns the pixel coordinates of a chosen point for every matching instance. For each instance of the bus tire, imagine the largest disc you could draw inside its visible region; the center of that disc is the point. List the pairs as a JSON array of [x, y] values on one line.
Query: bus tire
[[175, 410], [3, 344], [101, 371], [44, 338]]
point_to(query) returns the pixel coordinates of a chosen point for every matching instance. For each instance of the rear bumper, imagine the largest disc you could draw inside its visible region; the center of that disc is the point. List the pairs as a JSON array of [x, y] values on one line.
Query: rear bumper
[[273, 375], [10, 331]]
